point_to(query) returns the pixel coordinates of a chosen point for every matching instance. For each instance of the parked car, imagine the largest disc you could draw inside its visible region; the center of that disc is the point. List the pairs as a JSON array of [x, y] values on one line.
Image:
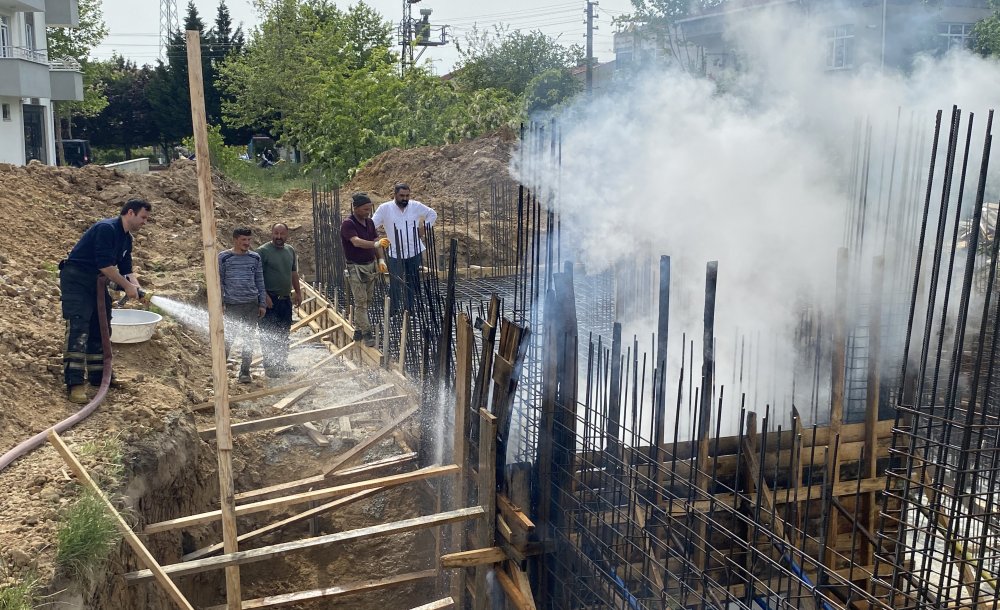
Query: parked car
[[77, 152]]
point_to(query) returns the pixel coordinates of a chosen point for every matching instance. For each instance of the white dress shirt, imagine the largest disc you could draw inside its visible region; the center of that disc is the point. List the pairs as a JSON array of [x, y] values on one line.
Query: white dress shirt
[[405, 222]]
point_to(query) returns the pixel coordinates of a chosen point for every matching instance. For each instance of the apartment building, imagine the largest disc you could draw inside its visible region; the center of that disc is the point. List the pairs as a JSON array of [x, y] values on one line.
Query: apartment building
[[857, 34], [30, 80]]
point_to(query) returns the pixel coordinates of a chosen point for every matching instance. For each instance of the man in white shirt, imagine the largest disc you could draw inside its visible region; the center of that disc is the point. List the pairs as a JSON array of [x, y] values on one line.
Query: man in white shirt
[[404, 222]]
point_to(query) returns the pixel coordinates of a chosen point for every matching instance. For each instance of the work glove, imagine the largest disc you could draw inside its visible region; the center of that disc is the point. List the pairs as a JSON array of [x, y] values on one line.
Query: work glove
[[382, 267], [382, 242]]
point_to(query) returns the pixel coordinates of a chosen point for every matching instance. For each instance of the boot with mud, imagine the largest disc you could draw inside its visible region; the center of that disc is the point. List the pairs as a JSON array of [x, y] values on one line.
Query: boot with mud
[[358, 335], [369, 339], [78, 394], [245, 373]]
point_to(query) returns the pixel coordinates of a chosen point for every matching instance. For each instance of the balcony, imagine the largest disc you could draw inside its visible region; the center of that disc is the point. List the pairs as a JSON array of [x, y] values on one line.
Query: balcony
[[24, 73], [26, 6], [67, 80], [61, 13]]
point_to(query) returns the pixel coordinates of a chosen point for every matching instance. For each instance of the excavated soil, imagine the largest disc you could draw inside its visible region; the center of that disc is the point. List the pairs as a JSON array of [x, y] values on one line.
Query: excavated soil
[[45, 210]]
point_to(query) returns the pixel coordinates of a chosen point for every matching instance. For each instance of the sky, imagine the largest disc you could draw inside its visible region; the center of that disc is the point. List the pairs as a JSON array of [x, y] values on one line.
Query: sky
[[135, 33]]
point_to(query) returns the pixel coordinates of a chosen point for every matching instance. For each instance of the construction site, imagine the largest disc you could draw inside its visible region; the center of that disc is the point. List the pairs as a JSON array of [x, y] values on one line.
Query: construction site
[[577, 409]]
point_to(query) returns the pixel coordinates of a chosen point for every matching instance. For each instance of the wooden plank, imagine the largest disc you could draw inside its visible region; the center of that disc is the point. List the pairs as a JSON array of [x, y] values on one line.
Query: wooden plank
[[273, 601], [369, 468], [523, 584], [440, 604], [844, 488], [838, 382], [204, 406], [361, 448], [514, 515], [277, 550], [464, 347], [306, 320], [473, 558], [220, 377], [315, 435], [350, 408], [277, 525], [403, 334], [133, 541], [293, 398], [303, 498], [873, 391], [487, 497], [514, 596]]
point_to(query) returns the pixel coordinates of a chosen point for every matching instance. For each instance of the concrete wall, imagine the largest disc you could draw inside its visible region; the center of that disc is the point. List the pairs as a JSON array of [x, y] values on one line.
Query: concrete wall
[[66, 85], [65, 13], [12, 133], [132, 166]]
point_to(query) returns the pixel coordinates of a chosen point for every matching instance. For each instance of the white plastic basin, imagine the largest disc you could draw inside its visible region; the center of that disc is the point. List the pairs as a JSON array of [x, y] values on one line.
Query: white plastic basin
[[133, 325]]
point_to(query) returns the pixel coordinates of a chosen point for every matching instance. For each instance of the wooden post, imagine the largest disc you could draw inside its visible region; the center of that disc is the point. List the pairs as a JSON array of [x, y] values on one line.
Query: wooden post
[[140, 549], [220, 379], [487, 498], [837, 387], [872, 400], [404, 329]]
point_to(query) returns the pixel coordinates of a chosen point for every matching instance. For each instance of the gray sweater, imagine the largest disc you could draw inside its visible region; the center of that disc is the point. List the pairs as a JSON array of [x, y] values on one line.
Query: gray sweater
[[242, 278]]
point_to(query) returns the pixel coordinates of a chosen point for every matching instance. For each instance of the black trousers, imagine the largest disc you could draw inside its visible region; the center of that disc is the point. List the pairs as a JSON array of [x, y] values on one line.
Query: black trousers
[[83, 353], [276, 324], [404, 283]]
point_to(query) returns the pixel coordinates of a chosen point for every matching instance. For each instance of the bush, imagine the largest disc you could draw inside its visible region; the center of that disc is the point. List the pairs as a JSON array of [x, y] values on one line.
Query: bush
[[19, 596]]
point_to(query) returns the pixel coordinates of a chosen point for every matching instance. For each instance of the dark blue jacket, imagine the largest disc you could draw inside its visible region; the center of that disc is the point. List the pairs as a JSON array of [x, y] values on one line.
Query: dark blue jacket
[[105, 244]]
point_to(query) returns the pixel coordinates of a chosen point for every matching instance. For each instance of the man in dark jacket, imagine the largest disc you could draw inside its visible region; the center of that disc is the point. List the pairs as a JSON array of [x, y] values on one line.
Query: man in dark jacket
[[105, 249]]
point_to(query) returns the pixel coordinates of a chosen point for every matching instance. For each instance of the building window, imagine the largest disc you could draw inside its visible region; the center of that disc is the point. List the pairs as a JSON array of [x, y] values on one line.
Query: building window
[[5, 42], [955, 35], [29, 32], [5, 111], [840, 47]]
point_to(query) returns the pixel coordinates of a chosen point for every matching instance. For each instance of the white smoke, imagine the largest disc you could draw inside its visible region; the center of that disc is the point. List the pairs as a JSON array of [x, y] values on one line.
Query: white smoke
[[757, 176]]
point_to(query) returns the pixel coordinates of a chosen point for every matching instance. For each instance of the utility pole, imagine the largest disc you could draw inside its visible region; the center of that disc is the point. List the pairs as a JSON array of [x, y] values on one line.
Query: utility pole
[[590, 46]]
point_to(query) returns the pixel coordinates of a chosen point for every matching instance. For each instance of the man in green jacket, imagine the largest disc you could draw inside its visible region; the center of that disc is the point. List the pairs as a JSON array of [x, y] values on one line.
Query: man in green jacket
[[281, 278]]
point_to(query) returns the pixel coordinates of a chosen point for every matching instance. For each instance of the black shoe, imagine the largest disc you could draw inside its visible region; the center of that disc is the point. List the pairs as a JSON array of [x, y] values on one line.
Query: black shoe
[[358, 335], [272, 373], [369, 339]]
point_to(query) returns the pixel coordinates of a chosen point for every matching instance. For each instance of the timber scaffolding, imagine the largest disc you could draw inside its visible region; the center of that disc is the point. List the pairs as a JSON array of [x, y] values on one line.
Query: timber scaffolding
[[620, 483]]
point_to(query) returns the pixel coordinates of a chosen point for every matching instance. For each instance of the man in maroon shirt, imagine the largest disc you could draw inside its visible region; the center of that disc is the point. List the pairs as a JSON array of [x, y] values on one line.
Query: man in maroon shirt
[[362, 246]]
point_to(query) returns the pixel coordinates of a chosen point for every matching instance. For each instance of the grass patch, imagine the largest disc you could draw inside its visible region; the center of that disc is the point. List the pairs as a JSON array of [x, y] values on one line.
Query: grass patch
[[271, 182], [109, 454], [19, 596], [85, 538]]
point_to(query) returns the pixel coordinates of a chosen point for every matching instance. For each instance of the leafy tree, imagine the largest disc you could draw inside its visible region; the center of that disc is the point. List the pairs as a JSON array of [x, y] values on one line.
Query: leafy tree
[[986, 33], [76, 44], [671, 10], [127, 121], [505, 59], [549, 90]]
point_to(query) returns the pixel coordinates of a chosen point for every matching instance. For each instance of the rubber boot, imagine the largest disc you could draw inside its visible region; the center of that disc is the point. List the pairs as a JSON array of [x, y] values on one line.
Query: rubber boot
[[370, 339], [245, 373], [78, 394]]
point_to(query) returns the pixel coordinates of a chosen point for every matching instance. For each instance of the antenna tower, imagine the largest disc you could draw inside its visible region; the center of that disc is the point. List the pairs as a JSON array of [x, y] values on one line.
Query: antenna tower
[[169, 23]]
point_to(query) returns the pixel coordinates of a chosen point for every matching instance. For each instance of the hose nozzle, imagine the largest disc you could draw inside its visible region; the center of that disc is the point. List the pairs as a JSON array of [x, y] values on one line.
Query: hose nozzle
[[145, 296]]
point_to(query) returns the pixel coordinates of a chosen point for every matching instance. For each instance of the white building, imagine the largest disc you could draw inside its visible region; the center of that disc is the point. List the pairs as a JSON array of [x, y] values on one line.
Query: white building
[[30, 81]]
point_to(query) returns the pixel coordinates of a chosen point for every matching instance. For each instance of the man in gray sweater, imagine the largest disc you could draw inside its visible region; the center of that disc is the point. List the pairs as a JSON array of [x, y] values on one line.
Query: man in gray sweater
[[241, 274]]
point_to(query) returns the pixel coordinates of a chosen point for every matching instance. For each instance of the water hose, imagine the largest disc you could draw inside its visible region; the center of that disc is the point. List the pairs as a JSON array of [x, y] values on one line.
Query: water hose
[[82, 414]]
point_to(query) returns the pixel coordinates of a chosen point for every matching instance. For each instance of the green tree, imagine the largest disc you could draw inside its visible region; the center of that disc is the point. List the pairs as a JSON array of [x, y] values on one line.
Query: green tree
[[986, 33], [75, 44], [127, 121], [549, 90], [505, 59]]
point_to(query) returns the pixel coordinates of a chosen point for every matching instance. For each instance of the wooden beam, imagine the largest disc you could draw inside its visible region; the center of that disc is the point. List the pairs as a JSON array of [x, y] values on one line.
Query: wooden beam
[[487, 497], [844, 488], [359, 450], [292, 398], [514, 515], [306, 320], [315, 435], [273, 601], [268, 423], [523, 584], [471, 559], [204, 406], [277, 550], [369, 468], [464, 346], [220, 377], [440, 604], [133, 541], [303, 516], [303, 498], [514, 596]]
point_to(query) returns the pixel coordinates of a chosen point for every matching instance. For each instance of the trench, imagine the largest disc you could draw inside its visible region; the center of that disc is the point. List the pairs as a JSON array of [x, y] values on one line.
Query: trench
[[174, 474]]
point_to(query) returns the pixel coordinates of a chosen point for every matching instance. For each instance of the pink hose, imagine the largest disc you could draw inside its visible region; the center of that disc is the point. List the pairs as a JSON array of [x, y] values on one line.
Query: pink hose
[[83, 413]]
